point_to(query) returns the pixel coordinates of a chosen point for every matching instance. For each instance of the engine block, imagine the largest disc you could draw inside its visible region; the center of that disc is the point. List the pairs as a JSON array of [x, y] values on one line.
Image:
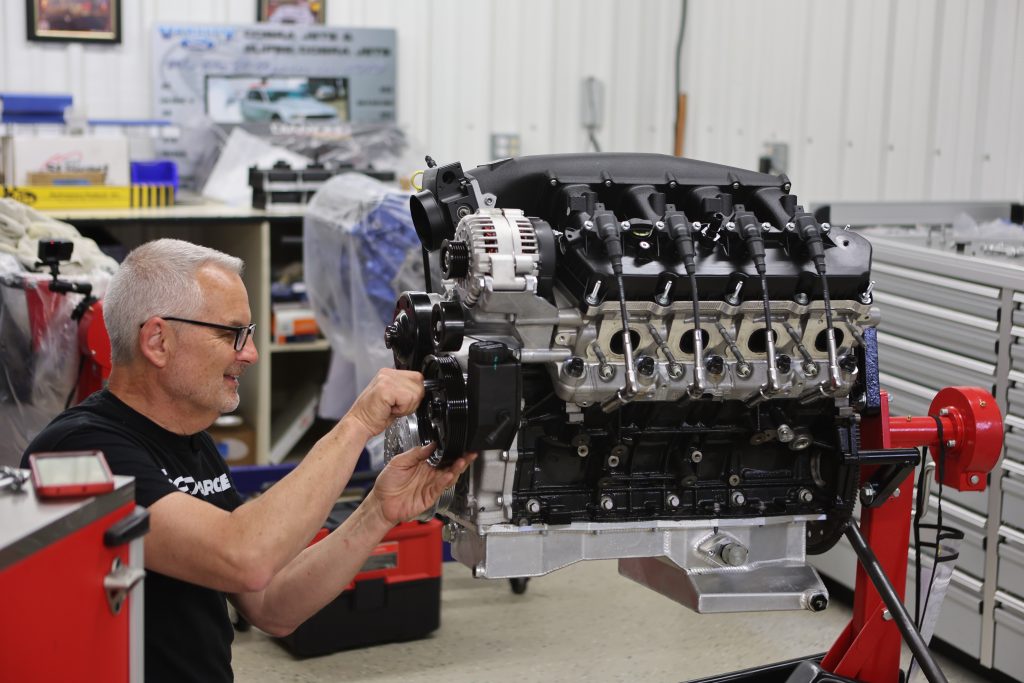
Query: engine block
[[658, 360]]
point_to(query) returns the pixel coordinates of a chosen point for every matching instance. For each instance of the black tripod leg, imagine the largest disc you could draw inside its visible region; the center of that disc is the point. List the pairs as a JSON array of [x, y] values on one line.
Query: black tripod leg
[[899, 613]]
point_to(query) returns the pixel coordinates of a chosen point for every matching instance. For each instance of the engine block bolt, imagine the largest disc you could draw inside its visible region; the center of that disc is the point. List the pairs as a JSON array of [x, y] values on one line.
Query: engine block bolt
[[660, 225], [583, 450], [744, 370], [737, 498], [784, 433], [696, 456], [533, 506], [766, 226], [736, 185], [588, 224], [810, 368], [734, 554], [606, 372], [801, 298], [825, 227], [607, 503], [676, 371], [624, 225], [646, 365], [805, 496], [554, 182], [672, 500], [950, 443], [730, 226], [790, 226], [613, 460], [734, 480], [575, 366]]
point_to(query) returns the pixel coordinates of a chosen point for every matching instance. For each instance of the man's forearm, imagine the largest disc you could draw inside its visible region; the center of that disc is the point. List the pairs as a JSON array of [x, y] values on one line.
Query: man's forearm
[[318, 574], [280, 523]]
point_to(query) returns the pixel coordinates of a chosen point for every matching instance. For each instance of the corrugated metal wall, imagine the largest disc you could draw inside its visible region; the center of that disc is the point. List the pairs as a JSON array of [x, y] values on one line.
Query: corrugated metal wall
[[915, 99]]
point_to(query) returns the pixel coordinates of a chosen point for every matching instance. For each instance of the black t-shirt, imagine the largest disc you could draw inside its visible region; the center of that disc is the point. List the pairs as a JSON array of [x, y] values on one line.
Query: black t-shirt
[[188, 632]]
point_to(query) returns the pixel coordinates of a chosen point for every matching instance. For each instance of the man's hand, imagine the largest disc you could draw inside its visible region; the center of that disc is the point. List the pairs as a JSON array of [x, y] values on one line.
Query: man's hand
[[409, 485], [391, 394]]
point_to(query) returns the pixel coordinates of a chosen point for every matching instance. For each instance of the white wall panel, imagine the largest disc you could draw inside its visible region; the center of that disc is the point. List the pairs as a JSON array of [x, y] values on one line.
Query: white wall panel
[[893, 99]]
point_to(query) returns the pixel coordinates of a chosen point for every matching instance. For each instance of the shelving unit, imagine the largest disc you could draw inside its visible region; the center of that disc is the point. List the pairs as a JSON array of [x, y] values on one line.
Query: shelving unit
[[263, 240], [948, 320]]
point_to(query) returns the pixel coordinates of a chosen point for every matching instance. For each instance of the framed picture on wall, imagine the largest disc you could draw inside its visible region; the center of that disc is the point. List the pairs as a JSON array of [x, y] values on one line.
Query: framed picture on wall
[[81, 21], [291, 11]]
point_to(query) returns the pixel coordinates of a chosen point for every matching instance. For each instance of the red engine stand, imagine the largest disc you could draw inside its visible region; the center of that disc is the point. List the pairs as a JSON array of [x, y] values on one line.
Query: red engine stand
[[868, 649]]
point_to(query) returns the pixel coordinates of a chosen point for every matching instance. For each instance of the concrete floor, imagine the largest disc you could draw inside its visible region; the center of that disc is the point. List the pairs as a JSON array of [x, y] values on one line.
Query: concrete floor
[[584, 622]]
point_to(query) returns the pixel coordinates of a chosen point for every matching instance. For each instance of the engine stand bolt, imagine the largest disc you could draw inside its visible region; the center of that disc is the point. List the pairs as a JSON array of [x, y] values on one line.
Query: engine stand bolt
[[950, 443], [974, 479], [533, 506], [737, 498]]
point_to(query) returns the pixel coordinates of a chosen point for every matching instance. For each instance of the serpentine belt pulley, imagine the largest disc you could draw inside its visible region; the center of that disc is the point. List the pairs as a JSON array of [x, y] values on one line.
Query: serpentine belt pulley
[[443, 415]]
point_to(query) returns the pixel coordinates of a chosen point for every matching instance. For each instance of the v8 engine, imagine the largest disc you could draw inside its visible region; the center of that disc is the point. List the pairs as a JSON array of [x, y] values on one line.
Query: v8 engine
[[658, 360]]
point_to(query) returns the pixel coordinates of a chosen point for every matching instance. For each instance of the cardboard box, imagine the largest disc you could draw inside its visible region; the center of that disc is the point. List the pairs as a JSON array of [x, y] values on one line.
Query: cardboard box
[[50, 197], [294, 322], [235, 440], [108, 155]]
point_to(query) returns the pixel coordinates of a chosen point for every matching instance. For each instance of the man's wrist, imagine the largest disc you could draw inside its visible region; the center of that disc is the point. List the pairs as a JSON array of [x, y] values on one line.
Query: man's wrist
[[356, 428], [375, 512]]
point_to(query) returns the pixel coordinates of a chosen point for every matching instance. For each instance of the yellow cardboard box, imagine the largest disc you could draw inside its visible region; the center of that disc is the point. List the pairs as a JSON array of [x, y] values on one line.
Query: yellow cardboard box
[[91, 196]]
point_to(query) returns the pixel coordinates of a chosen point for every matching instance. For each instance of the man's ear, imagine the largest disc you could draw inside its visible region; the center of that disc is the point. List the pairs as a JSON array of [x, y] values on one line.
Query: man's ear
[[154, 341]]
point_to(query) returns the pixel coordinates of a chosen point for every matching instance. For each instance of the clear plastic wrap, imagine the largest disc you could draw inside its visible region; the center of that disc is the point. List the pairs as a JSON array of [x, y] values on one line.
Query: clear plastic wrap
[[360, 251], [39, 353], [38, 356]]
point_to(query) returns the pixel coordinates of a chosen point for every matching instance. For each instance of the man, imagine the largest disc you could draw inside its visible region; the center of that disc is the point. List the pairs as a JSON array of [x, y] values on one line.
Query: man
[[179, 324]]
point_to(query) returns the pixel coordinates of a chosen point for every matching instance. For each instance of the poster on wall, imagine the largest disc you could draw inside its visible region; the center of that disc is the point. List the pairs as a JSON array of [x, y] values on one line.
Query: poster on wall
[[270, 75]]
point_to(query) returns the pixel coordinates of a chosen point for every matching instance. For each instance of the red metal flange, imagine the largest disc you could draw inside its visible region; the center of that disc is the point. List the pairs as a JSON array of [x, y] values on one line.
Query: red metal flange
[[972, 432]]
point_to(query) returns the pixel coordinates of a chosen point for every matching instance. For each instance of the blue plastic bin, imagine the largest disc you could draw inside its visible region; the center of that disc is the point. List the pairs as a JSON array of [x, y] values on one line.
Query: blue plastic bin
[[157, 172]]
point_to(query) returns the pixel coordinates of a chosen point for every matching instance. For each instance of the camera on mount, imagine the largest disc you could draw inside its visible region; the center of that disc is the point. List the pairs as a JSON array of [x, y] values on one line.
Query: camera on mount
[[53, 251]]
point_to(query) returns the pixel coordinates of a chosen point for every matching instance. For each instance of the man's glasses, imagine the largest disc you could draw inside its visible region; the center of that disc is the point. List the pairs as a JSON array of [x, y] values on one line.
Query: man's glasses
[[242, 332]]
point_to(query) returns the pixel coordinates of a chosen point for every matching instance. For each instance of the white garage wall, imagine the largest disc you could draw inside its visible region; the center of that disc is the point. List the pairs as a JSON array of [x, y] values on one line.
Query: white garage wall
[[891, 99]]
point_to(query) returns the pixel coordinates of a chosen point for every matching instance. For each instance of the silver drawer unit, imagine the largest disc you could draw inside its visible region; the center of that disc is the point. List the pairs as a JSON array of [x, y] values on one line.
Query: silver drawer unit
[[944, 329], [956, 295], [1013, 501], [931, 367], [1009, 640], [972, 548], [960, 618], [839, 564], [1014, 440], [1011, 567], [1015, 400], [906, 398]]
